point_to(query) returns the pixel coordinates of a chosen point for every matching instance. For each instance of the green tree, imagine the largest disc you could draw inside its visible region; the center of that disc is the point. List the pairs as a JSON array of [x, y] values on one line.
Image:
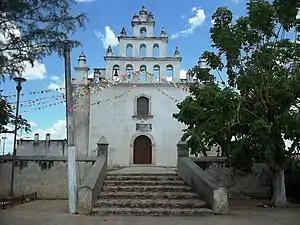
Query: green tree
[[7, 118], [29, 31], [261, 61]]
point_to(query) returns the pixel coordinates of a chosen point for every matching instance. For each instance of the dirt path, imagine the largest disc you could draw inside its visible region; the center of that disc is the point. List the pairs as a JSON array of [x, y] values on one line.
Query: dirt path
[[55, 212]]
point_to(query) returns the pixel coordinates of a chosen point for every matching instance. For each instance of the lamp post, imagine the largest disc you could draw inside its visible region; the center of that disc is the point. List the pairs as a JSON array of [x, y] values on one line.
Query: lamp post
[[19, 81], [3, 144]]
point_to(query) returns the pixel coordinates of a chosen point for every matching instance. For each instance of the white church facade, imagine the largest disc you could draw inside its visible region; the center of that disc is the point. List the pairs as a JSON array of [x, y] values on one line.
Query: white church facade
[[132, 99]]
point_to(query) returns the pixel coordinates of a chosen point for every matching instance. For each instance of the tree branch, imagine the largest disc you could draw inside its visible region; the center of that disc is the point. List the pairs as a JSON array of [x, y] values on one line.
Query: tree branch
[[293, 146]]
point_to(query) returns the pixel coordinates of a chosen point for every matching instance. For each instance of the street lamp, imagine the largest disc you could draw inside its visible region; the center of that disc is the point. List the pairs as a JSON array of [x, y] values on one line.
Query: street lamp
[[19, 81], [3, 144]]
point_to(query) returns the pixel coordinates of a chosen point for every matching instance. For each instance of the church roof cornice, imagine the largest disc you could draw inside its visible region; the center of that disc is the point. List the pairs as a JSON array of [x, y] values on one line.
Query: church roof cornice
[[124, 58], [78, 68], [133, 23], [143, 38], [147, 84]]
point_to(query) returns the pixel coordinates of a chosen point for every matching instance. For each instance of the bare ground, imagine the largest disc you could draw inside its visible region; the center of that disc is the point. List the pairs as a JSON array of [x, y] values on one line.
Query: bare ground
[[245, 212]]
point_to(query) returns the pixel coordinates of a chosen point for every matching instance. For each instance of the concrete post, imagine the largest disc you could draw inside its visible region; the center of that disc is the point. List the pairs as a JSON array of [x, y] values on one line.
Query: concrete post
[[182, 150], [102, 147], [36, 137], [70, 125]]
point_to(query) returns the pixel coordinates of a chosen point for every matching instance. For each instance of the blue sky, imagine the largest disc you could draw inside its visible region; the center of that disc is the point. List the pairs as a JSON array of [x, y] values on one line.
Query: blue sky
[[188, 22]]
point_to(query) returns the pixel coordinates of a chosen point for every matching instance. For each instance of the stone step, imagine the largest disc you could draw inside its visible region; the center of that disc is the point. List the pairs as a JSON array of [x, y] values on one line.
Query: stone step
[[161, 188], [144, 182], [151, 212], [143, 177], [147, 195], [151, 203], [144, 174]]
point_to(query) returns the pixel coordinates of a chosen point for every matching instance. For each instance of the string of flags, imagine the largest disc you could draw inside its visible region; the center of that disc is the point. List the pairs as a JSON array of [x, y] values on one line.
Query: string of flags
[[134, 78], [94, 88], [33, 93], [44, 106], [41, 103], [33, 101], [168, 96]]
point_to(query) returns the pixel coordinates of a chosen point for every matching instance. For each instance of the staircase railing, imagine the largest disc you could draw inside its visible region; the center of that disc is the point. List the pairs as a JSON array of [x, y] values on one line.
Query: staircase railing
[[91, 186], [201, 182]]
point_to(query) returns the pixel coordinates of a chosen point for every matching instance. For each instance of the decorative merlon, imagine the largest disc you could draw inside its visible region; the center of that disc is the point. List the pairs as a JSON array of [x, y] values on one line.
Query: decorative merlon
[[47, 137], [143, 10], [163, 32], [109, 51], [36, 137], [176, 53], [102, 141], [150, 17], [82, 60], [135, 17], [123, 32]]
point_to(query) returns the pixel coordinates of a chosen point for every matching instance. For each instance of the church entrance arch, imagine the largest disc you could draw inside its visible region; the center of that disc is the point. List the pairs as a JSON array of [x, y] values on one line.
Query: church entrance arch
[[142, 150]]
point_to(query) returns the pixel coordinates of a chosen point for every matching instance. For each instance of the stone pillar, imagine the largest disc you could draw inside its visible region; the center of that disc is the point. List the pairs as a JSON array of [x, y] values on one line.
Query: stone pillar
[[36, 137], [182, 150], [102, 147]]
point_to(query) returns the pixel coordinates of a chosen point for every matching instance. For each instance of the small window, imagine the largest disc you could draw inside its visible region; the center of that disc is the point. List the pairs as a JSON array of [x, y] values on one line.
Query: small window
[[142, 106], [143, 32], [129, 50], [155, 50], [143, 50]]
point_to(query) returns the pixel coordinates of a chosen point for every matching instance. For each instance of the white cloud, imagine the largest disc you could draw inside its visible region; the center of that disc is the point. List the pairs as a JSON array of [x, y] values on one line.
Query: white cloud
[[108, 39], [53, 86], [33, 124], [235, 1], [56, 84], [54, 78], [37, 72], [194, 22], [56, 131]]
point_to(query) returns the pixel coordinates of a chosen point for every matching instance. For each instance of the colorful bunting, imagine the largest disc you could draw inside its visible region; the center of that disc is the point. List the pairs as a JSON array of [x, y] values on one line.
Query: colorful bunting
[[94, 88]]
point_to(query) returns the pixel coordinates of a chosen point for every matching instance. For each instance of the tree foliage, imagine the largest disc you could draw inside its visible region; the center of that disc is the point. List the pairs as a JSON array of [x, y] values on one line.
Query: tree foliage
[[29, 31], [252, 115], [7, 118]]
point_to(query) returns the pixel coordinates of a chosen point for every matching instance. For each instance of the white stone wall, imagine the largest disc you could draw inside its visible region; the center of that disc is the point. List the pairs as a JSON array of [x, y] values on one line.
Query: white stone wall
[[42, 147], [50, 183], [114, 120], [82, 124], [149, 63], [149, 29], [256, 184], [136, 43]]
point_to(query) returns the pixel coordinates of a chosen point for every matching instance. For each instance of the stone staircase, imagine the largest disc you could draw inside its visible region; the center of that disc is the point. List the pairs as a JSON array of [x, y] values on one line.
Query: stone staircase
[[148, 195]]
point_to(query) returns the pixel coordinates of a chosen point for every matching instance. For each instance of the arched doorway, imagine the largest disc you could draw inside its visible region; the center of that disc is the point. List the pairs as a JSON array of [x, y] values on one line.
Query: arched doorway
[[142, 150]]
